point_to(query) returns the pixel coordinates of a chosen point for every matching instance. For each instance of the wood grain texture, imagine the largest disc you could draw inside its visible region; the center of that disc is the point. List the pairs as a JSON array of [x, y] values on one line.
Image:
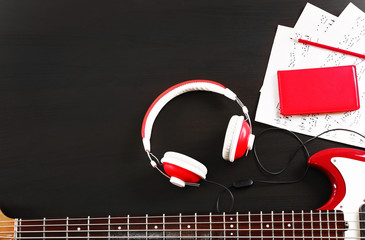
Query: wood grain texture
[[7, 227]]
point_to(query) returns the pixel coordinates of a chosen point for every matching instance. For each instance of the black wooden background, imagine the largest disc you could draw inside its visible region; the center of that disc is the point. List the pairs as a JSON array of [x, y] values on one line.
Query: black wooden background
[[77, 76]]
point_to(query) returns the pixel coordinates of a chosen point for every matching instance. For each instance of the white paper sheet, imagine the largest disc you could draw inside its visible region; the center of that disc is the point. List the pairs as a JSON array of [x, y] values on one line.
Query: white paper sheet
[[316, 25], [314, 20], [286, 53]]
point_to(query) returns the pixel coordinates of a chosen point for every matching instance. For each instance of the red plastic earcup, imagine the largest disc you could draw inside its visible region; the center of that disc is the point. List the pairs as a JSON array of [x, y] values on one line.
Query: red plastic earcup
[[182, 168], [238, 139], [244, 139]]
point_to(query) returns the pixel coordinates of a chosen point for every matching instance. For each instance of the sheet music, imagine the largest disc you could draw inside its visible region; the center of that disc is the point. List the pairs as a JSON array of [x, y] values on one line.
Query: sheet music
[[312, 21], [347, 31]]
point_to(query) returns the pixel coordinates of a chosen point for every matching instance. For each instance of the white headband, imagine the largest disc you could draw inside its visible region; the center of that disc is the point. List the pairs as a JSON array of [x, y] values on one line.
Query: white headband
[[174, 91]]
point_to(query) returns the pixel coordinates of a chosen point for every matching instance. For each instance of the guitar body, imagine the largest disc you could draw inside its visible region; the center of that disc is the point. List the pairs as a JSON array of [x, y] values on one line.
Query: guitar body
[[337, 219], [7, 226], [346, 170]]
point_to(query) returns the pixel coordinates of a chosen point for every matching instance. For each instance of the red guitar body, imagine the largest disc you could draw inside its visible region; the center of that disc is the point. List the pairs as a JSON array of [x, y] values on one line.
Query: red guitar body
[[346, 170]]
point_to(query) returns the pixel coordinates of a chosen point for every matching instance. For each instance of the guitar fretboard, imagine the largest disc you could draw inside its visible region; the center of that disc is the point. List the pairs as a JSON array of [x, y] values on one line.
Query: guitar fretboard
[[273, 225]]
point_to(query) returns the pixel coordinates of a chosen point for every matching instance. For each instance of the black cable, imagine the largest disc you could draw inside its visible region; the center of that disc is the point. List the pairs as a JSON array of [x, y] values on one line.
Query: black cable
[[235, 185], [249, 182], [244, 183], [302, 145], [219, 198], [331, 130], [225, 189]]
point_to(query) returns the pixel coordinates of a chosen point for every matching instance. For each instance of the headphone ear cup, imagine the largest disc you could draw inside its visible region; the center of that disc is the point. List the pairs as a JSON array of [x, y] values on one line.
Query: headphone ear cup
[[182, 168], [238, 138]]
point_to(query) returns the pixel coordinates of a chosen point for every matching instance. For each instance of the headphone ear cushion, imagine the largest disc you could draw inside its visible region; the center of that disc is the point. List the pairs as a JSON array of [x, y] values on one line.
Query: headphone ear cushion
[[182, 167], [231, 137], [238, 138]]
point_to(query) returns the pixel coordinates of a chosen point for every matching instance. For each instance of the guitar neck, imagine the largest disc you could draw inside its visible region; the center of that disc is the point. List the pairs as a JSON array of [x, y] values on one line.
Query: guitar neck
[[278, 225]]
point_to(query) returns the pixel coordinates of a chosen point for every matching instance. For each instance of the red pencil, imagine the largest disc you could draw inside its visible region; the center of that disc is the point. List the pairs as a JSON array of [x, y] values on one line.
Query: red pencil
[[329, 48]]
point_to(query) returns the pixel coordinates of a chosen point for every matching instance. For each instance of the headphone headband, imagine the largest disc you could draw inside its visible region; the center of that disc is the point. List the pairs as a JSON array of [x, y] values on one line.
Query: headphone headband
[[171, 93]]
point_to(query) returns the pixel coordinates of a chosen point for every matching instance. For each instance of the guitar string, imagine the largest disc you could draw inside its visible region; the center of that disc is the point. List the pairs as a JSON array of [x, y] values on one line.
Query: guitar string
[[332, 228], [329, 236], [316, 230], [186, 230], [187, 222], [231, 221], [183, 223], [183, 229], [187, 237], [321, 223], [279, 214], [326, 229], [252, 223]]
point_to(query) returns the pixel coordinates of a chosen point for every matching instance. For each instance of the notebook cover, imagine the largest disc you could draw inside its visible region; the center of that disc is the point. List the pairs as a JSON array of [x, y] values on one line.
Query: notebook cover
[[318, 90]]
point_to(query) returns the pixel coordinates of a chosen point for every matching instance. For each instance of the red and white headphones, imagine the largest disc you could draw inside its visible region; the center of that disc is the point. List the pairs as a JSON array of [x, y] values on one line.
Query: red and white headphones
[[179, 168]]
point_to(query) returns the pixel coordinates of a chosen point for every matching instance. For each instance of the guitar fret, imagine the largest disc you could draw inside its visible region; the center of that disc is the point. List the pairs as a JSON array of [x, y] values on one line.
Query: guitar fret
[[67, 228], [302, 215], [16, 224], [217, 226], [306, 225], [210, 225], [324, 224], [180, 226], [316, 224], [283, 223], [328, 223], [320, 224], [186, 228], [128, 226], [44, 228], [312, 227], [242, 226], [163, 226], [249, 224], [261, 229], [109, 227], [293, 223], [224, 225], [196, 226], [230, 223], [336, 229], [88, 227], [272, 224], [146, 226], [20, 228], [237, 227]]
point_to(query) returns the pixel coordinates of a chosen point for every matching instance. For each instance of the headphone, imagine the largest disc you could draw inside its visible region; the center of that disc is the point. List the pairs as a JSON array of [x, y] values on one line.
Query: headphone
[[179, 168]]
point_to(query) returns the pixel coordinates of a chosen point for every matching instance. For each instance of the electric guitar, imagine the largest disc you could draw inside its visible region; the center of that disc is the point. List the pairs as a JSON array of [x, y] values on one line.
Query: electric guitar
[[340, 218]]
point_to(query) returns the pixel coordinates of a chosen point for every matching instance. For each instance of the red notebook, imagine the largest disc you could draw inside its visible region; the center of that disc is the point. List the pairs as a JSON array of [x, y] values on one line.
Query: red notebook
[[318, 90]]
